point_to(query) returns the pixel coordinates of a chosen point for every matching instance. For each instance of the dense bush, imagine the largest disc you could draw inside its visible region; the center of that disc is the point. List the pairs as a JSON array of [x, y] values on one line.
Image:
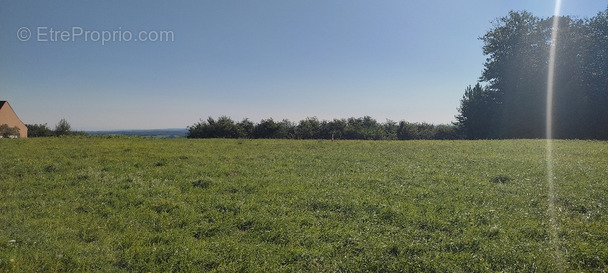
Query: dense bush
[[39, 130], [224, 127], [365, 128], [7, 131]]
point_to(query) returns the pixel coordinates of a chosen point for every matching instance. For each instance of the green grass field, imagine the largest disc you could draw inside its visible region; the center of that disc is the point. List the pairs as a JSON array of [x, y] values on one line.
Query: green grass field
[[149, 205]]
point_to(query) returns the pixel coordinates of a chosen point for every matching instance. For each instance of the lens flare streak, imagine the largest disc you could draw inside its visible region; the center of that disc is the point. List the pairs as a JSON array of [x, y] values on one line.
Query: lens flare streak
[[558, 256]]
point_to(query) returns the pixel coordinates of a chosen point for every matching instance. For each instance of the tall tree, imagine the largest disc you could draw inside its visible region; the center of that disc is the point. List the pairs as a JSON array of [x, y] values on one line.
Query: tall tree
[[478, 112], [515, 69]]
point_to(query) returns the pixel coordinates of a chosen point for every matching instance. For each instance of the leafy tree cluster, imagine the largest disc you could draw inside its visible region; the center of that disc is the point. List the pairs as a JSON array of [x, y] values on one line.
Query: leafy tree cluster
[[511, 98], [365, 128], [63, 128]]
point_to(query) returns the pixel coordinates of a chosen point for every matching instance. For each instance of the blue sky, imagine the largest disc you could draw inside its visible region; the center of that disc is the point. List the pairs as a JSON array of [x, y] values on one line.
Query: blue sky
[[398, 60]]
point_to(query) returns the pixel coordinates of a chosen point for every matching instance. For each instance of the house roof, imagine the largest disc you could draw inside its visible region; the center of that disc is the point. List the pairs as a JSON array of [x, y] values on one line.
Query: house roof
[[2, 103]]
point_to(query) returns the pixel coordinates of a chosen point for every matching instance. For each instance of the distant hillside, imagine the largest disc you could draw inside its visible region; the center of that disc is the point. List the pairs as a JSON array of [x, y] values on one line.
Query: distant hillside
[[156, 133]]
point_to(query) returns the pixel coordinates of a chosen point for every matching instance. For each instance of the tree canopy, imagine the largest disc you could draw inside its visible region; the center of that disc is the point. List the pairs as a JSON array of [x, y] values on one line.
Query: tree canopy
[[509, 101]]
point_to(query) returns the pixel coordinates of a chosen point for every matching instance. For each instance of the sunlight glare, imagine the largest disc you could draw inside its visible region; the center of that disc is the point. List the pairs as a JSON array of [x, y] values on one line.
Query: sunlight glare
[[549, 151]]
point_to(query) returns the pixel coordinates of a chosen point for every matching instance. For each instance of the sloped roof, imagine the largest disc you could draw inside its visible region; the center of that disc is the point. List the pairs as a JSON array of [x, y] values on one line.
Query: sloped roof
[[9, 117]]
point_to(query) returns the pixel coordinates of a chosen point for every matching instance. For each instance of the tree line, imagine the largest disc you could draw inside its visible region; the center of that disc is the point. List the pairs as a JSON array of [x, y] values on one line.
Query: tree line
[[62, 128], [510, 98], [365, 128]]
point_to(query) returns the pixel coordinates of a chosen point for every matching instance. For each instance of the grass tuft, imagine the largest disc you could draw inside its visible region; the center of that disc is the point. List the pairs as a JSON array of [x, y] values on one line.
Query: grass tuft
[[500, 179]]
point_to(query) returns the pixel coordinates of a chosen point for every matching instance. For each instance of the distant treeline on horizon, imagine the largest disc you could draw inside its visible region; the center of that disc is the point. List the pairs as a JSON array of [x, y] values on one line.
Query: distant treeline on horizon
[[365, 128]]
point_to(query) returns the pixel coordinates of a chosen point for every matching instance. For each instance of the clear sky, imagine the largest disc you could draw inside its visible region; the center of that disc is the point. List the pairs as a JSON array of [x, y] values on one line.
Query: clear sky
[[85, 61]]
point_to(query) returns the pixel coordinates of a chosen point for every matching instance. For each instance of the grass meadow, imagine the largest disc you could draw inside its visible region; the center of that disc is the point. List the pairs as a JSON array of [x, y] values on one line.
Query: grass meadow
[[118, 204]]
